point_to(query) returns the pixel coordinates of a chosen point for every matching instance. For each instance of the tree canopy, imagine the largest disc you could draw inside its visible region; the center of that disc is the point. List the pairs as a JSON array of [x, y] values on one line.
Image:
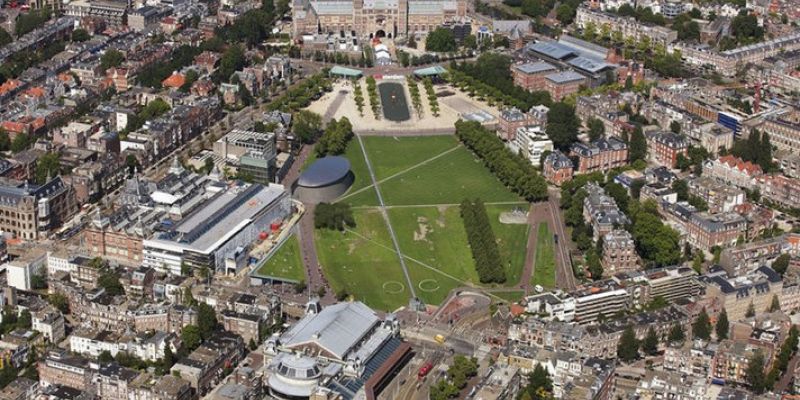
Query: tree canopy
[[723, 326], [562, 125], [701, 328], [336, 216], [628, 346], [111, 58], [441, 40], [482, 242], [307, 125]]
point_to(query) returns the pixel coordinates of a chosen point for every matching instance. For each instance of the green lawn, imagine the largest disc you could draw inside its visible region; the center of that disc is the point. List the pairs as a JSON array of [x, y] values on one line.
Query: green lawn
[[435, 238], [446, 180], [286, 263], [544, 267], [367, 267], [512, 296], [512, 240], [391, 155], [443, 258]]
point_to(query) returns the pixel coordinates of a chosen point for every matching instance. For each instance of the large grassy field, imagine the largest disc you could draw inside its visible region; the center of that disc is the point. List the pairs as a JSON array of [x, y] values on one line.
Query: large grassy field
[[431, 236], [286, 263], [391, 155], [363, 263], [544, 267], [446, 180]]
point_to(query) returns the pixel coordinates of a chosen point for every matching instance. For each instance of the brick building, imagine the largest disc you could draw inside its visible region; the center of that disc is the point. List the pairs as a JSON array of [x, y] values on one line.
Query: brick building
[[619, 253], [557, 168], [601, 155], [664, 147], [530, 76]]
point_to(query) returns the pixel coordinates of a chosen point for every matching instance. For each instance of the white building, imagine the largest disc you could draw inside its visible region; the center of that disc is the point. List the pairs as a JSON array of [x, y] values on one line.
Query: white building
[[229, 219], [551, 306], [89, 342], [21, 271], [531, 142], [49, 323]]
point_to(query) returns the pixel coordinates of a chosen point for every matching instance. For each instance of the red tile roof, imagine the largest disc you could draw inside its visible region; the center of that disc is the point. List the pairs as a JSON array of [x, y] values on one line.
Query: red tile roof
[[744, 166]]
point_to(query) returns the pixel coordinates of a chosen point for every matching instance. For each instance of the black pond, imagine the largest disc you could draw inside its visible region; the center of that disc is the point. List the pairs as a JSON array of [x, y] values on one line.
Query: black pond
[[393, 100]]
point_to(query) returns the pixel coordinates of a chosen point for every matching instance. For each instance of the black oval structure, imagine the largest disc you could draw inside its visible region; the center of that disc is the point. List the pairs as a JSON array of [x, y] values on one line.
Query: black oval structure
[[324, 181]]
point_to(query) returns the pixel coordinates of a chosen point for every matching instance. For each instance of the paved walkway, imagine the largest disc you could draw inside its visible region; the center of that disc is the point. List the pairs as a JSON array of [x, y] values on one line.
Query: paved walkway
[[530, 255], [565, 275]]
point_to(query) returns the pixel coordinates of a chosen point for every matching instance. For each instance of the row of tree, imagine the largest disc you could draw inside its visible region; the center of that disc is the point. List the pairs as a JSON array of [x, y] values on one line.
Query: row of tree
[[482, 242], [337, 216], [358, 95], [433, 101], [490, 76], [416, 100], [300, 96], [512, 170], [335, 138], [757, 149], [372, 92]]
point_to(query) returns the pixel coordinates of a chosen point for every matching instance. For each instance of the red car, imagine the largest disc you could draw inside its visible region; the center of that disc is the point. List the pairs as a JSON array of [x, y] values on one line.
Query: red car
[[425, 370]]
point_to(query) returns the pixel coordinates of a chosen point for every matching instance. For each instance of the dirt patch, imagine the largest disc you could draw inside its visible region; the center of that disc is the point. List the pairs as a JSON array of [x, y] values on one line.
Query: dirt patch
[[518, 216], [421, 235], [440, 221]]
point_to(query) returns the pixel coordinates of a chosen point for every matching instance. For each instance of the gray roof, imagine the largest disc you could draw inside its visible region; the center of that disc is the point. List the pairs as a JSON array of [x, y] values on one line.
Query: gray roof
[[565, 77], [337, 328], [588, 64], [535, 67], [324, 171], [553, 50]]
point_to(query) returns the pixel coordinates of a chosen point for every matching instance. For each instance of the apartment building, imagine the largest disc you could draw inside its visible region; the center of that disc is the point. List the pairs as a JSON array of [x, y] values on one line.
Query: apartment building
[[601, 211], [531, 142], [619, 253], [664, 148], [732, 359], [718, 196], [746, 257], [784, 130], [738, 294], [601, 299], [557, 168], [202, 366], [62, 368], [601, 155], [780, 189], [672, 283], [510, 120], [733, 170], [628, 26], [705, 230], [30, 211], [50, 323]]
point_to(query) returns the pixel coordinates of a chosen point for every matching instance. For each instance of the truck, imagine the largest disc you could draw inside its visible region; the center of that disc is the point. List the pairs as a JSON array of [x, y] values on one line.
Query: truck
[[439, 339]]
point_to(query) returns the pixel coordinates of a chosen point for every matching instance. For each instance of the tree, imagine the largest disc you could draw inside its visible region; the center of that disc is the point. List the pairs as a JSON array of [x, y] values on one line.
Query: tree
[[562, 125], [206, 320], [565, 13], [441, 40], [105, 357], [111, 58], [482, 242], [775, 305], [656, 243], [470, 42], [190, 337], [59, 301], [723, 326], [676, 334], [32, 20], [80, 35], [781, 264], [628, 347], [675, 127], [751, 311], [232, 60], [5, 141], [21, 142], [746, 29], [637, 145], [412, 41], [593, 264], [539, 383], [336, 216], [307, 125], [650, 342], [47, 166], [191, 77], [109, 280], [596, 129], [754, 374], [701, 328], [169, 359], [24, 319], [681, 189], [5, 37]]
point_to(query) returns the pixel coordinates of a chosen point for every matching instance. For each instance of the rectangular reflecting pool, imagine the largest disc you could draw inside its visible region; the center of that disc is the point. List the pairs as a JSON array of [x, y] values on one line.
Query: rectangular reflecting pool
[[393, 101]]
